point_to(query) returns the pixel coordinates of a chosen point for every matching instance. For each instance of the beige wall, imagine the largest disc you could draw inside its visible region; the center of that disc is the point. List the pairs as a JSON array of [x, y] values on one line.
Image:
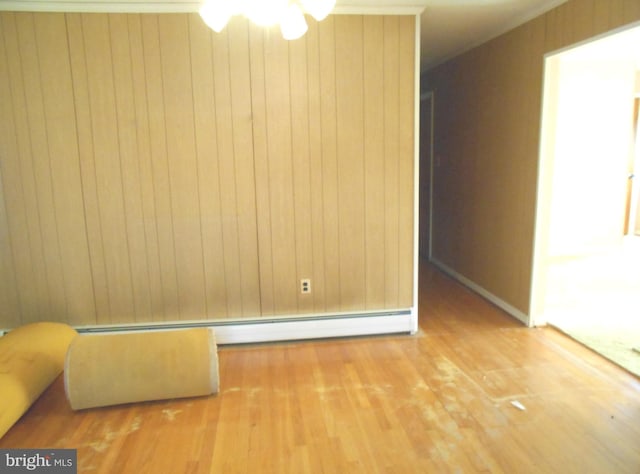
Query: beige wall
[[487, 127], [153, 170]]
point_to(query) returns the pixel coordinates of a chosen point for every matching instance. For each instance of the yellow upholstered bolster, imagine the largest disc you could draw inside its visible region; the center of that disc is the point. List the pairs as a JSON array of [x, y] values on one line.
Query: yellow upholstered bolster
[[15, 399], [110, 369], [31, 357]]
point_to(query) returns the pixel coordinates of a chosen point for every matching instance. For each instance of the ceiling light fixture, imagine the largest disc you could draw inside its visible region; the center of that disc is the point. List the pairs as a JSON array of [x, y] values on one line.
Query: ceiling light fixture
[[289, 14]]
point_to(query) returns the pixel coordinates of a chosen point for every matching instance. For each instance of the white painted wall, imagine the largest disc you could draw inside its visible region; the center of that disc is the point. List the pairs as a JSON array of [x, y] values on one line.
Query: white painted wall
[[591, 151]]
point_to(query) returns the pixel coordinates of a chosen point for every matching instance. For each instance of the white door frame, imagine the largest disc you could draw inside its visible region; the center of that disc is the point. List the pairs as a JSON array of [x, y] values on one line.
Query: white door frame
[[536, 314], [424, 96]]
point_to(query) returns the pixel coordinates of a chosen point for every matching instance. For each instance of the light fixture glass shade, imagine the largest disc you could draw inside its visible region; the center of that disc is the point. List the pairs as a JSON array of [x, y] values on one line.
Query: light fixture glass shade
[[289, 14], [293, 24], [216, 14], [318, 9]]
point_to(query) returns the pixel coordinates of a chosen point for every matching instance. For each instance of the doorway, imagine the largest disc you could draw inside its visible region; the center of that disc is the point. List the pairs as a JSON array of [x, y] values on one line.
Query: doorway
[[426, 174], [632, 208], [586, 280]]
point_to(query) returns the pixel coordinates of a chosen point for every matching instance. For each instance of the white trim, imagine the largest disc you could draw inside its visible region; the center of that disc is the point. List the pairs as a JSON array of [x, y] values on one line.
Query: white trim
[[500, 303], [99, 6], [176, 6], [540, 225], [283, 328], [543, 197], [380, 10], [431, 169], [424, 96], [416, 177], [315, 329]]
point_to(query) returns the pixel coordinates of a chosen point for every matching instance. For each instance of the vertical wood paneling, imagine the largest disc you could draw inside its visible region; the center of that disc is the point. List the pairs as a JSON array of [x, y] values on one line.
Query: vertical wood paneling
[[300, 152], [208, 169], [406, 45], [391, 149], [582, 17], [240, 73], [41, 162], [373, 57], [332, 276], [84, 140], [616, 12], [107, 159], [278, 128], [533, 71], [145, 168], [514, 137], [10, 310], [489, 209], [227, 177], [553, 37], [261, 167], [19, 186], [350, 158], [182, 164], [601, 13], [154, 171], [315, 180], [62, 145], [631, 9], [162, 191], [128, 150], [532, 34], [10, 313], [20, 203]]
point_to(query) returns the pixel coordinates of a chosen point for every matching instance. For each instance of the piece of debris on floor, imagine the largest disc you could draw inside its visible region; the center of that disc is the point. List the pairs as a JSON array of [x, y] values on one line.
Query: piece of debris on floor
[[518, 405]]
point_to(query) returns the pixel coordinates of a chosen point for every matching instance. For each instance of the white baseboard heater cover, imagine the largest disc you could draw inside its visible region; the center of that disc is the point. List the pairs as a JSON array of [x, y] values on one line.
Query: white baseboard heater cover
[[287, 328]]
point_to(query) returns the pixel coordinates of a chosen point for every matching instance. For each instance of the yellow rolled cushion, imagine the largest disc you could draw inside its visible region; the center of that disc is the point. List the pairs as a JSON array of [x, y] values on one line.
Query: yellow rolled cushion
[[110, 369], [31, 357]]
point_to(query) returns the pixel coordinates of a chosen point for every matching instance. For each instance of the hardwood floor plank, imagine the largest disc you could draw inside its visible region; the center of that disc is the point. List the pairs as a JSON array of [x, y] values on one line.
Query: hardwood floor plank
[[439, 401]]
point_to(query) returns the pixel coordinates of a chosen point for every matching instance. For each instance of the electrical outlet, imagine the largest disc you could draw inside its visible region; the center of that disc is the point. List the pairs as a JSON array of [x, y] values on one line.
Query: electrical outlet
[[305, 285]]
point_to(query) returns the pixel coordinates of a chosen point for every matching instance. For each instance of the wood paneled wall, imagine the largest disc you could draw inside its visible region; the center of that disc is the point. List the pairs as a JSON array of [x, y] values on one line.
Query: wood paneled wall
[[153, 170], [487, 127]]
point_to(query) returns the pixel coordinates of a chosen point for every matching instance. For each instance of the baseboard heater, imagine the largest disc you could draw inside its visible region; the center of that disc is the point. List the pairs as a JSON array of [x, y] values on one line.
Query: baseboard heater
[[285, 328]]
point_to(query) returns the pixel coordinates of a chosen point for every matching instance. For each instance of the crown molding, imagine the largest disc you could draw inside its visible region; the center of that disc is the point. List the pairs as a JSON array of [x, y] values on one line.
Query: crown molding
[[177, 6]]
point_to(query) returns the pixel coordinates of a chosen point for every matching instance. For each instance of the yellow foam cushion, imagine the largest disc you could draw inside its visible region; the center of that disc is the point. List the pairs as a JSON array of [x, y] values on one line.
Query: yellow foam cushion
[[110, 369], [31, 357]]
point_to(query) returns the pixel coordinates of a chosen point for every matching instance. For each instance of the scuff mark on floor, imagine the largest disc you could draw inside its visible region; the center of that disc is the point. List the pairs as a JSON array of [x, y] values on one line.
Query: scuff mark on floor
[[170, 414], [102, 445], [99, 446]]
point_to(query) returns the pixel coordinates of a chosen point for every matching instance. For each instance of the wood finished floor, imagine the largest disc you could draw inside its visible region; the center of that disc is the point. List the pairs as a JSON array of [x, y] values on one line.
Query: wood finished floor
[[439, 401]]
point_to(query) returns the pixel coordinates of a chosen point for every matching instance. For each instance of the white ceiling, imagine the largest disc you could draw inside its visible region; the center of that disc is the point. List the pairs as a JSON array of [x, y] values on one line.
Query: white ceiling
[[448, 27]]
